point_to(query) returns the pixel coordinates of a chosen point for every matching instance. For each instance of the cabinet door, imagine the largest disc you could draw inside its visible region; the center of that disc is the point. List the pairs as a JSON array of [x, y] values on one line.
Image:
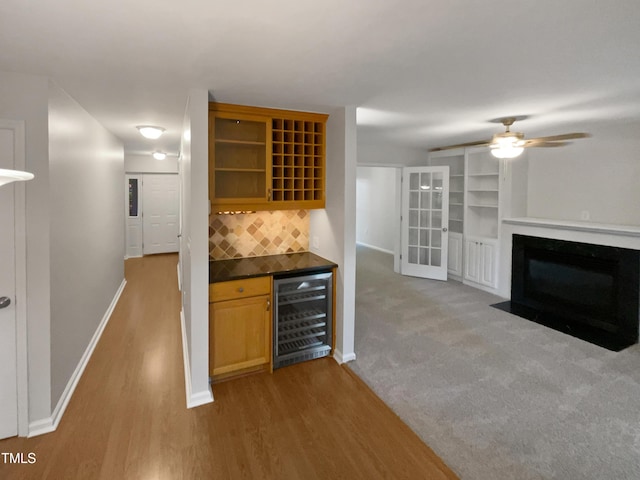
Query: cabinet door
[[455, 254], [487, 269], [471, 261], [240, 335], [239, 164]]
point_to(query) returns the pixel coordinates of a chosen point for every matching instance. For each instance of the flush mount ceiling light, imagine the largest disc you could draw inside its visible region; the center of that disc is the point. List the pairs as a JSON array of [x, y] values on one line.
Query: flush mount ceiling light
[[149, 131], [159, 155], [8, 176]]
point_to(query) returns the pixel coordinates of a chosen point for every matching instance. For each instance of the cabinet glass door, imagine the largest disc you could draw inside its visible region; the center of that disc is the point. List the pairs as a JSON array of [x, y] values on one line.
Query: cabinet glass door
[[425, 217]]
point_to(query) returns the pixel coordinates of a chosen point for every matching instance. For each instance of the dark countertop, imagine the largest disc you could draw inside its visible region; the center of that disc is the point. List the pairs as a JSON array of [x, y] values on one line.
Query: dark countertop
[[238, 268]]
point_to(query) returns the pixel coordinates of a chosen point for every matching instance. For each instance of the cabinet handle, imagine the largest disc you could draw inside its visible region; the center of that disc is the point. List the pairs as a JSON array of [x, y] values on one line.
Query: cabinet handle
[[269, 199], [241, 289], [268, 305]]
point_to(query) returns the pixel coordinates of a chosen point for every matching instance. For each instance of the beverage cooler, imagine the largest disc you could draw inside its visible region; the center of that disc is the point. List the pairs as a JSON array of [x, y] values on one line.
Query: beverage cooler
[[302, 318]]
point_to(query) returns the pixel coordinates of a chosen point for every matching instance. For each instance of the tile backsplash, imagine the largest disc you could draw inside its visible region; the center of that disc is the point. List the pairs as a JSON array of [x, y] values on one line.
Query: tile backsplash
[[257, 234]]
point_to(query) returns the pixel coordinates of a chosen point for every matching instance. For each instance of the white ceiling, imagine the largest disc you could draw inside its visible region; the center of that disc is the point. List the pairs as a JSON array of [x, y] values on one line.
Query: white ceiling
[[423, 73]]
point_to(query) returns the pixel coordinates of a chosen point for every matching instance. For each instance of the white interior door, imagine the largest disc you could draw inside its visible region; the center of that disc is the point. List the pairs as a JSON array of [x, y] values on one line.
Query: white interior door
[[133, 215], [425, 217], [8, 325], [160, 206]]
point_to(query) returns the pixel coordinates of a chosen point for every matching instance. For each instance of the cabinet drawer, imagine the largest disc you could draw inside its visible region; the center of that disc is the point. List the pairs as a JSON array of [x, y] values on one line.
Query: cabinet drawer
[[248, 287]]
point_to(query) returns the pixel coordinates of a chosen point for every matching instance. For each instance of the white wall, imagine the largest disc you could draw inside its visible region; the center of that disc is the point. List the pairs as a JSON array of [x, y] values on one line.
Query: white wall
[[86, 165], [334, 227], [600, 175], [376, 207], [25, 97], [148, 164], [194, 245], [373, 152]]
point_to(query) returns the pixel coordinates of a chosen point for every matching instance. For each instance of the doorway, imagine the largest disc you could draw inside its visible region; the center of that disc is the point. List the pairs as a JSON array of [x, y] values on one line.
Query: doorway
[[378, 209], [13, 378], [152, 213]]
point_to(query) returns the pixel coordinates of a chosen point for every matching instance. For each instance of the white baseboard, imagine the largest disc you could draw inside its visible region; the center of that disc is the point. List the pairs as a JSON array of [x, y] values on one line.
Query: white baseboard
[[340, 358], [49, 424], [198, 398], [390, 252]]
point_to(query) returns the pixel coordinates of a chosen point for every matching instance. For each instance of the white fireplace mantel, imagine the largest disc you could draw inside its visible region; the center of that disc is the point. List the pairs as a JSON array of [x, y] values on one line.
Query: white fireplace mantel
[[611, 229], [622, 236]]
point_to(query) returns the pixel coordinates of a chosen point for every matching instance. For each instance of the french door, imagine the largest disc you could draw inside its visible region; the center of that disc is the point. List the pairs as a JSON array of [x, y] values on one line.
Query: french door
[[424, 221]]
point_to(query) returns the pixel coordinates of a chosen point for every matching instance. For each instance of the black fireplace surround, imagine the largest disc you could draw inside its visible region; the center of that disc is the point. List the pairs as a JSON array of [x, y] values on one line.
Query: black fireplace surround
[[588, 291]]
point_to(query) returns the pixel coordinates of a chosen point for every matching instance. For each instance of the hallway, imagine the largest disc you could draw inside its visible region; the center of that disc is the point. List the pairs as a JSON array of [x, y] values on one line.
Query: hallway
[[128, 419]]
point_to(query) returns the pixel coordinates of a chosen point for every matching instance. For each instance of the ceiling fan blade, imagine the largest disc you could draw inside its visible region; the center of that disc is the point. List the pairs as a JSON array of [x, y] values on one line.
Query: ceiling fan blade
[[564, 136], [479, 143], [536, 143]]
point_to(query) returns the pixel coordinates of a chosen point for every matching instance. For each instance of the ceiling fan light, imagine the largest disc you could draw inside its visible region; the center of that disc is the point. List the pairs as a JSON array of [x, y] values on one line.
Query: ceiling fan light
[[149, 131], [506, 151]]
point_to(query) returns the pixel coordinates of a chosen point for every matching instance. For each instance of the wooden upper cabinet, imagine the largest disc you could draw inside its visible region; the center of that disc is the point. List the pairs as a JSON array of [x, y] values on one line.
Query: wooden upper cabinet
[[239, 170], [265, 159]]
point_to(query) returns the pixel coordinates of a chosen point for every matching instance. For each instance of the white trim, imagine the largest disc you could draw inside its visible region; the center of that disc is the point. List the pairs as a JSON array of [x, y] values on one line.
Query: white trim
[[381, 165], [193, 399], [383, 250], [612, 229], [40, 427], [20, 257], [179, 279], [341, 358], [47, 425]]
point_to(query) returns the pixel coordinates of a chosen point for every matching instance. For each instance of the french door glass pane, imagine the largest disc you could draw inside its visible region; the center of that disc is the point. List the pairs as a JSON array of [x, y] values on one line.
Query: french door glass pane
[[425, 181], [436, 219], [425, 199], [413, 236], [437, 200], [436, 238], [424, 218], [414, 199], [414, 181], [413, 254], [424, 256], [436, 257], [413, 218], [424, 237]]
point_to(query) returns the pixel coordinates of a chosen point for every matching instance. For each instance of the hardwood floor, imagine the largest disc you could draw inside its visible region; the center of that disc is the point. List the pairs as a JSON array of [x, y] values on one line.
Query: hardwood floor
[[128, 419]]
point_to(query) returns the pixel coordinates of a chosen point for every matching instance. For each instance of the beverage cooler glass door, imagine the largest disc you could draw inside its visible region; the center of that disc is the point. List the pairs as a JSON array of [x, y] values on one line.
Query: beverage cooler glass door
[[302, 324]]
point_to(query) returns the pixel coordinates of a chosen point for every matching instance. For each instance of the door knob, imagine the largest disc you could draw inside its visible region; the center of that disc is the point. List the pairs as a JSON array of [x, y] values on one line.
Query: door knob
[[444, 229], [5, 302]]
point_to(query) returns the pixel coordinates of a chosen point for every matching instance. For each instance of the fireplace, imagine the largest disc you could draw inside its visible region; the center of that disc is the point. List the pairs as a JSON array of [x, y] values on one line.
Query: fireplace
[[586, 290]]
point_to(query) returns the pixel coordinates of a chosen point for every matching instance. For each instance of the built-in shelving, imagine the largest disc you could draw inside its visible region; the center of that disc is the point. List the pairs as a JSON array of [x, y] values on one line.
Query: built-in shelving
[[298, 160], [266, 159]]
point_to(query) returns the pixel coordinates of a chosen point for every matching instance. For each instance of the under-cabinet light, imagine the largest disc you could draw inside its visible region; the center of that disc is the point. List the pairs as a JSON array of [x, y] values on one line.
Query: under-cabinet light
[[235, 212]]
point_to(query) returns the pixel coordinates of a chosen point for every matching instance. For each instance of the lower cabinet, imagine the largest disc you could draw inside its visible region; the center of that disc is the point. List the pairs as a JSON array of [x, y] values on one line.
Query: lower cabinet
[[454, 261], [239, 327], [480, 265]]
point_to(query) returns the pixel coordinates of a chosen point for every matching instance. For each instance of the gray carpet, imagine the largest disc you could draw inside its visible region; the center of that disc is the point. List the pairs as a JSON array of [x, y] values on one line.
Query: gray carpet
[[496, 396]]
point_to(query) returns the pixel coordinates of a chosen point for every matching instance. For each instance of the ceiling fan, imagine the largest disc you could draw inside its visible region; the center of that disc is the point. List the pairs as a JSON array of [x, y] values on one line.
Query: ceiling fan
[[511, 144]]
